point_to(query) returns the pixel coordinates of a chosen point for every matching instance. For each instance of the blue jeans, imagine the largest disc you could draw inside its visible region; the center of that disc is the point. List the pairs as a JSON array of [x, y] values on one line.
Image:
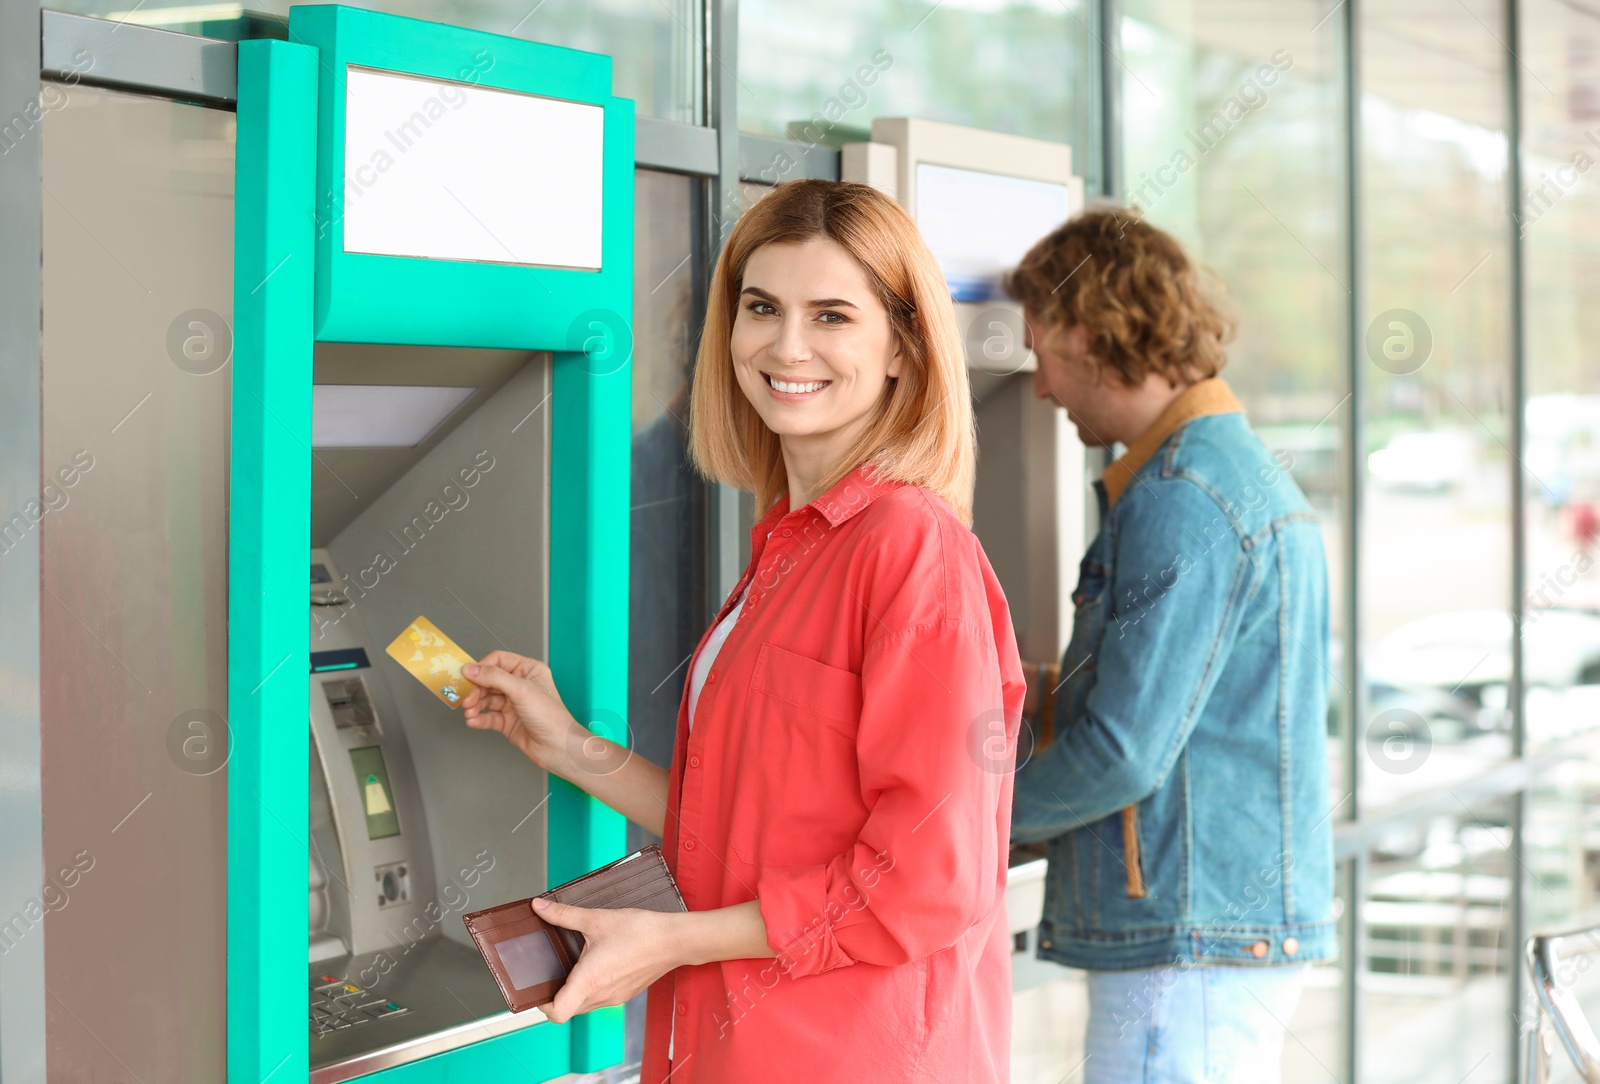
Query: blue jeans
[[1190, 1025]]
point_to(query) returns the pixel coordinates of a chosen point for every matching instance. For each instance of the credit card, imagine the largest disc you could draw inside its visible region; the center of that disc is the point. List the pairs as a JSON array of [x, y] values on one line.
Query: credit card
[[433, 659]]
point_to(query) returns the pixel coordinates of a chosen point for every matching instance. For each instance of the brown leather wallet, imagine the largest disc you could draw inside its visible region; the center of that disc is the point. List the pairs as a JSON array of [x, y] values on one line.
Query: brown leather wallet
[[530, 958]]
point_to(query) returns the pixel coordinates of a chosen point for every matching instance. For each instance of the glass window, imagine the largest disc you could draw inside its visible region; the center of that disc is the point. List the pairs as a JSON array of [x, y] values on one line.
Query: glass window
[[666, 553], [1563, 862], [656, 43], [1439, 942], [1436, 359], [1563, 847], [1314, 1049], [818, 72], [1233, 141], [1558, 214], [668, 540]]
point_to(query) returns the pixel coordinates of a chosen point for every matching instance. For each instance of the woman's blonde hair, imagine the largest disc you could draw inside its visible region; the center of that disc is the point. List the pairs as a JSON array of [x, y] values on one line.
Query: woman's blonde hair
[[922, 431]]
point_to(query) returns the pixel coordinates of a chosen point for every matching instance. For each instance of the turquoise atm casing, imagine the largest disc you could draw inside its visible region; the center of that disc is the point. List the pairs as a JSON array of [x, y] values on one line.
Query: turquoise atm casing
[[294, 285]]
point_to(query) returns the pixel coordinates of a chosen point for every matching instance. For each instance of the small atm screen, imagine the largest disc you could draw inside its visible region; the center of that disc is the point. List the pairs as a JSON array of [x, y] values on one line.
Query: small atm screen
[[530, 959], [979, 224], [377, 801]]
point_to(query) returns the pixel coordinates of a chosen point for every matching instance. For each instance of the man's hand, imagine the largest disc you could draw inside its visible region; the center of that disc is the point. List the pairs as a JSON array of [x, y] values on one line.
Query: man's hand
[[1030, 681]]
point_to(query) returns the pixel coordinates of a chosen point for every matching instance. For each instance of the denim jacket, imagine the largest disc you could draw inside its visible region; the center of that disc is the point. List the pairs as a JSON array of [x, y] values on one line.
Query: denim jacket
[[1185, 792]]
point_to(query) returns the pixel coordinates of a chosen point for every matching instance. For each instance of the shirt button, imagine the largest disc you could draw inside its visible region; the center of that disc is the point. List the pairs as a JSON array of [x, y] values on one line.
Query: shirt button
[[787, 533], [1290, 946], [688, 845], [711, 677], [694, 762], [683, 1009], [1259, 949], [1046, 944]]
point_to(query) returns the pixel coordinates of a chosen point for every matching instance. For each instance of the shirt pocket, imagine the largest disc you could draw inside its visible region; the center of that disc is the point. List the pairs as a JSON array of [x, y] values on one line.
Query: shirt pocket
[[800, 738]]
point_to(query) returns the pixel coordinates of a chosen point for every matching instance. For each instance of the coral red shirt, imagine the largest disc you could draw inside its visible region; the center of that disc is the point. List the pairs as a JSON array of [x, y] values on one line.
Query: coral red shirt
[[850, 767]]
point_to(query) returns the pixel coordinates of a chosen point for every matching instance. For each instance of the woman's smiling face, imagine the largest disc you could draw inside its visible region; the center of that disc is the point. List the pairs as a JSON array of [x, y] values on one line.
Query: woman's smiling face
[[812, 344]]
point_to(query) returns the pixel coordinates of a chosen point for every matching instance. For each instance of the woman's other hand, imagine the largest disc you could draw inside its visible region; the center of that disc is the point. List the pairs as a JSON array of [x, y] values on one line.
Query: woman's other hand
[[517, 696], [627, 949], [624, 951]]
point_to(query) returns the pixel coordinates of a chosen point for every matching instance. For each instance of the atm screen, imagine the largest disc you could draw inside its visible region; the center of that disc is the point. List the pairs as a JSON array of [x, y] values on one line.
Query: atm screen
[[530, 959], [372, 782], [979, 224]]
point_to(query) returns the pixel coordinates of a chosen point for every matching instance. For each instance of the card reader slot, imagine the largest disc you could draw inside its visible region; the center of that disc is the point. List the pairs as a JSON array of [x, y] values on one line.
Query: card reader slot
[[349, 703]]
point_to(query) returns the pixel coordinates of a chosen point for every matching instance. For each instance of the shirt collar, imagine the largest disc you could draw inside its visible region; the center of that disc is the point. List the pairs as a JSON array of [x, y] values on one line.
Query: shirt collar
[[848, 497], [1210, 396]]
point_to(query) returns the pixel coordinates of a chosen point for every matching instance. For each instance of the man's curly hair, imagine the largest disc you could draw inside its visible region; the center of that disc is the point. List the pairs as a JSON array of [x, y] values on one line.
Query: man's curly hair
[[1146, 305]]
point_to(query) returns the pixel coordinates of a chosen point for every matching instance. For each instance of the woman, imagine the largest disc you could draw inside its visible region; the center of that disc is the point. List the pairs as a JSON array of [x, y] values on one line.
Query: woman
[[838, 806]]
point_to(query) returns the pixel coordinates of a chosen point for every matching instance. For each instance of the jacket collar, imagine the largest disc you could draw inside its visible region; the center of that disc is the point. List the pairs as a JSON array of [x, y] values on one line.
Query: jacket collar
[[1210, 396], [848, 497]]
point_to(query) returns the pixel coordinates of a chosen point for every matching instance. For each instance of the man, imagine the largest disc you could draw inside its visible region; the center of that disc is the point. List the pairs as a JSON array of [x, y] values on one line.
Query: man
[[1184, 794]]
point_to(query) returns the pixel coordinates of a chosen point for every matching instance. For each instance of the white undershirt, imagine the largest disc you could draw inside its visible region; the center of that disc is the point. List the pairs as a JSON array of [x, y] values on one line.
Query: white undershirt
[[708, 654], [697, 680]]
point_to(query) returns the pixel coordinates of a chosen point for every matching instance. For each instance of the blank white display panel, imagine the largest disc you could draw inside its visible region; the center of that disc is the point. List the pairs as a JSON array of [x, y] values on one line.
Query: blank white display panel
[[980, 224], [452, 171]]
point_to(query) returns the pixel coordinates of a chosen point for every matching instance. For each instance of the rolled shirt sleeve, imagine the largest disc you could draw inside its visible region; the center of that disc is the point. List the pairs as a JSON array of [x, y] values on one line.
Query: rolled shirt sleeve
[[929, 861], [1178, 596]]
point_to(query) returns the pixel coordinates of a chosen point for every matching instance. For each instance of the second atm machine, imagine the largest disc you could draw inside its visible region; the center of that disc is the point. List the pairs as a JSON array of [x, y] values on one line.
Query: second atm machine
[[433, 277], [981, 199]]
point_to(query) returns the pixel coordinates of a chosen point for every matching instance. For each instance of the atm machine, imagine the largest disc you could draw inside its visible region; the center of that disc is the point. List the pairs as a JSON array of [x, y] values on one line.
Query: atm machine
[[371, 872], [430, 417], [412, 824], [981, 199]]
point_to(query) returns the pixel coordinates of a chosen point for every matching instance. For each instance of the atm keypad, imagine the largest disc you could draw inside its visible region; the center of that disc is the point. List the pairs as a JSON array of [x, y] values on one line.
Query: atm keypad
[[337, 1004]]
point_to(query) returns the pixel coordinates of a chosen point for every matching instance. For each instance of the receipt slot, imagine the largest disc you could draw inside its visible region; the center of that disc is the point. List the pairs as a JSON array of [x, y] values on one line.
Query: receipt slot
[[430, 416]]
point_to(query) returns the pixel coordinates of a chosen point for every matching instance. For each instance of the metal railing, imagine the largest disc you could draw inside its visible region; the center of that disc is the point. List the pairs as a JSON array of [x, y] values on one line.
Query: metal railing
[[1554, 960]]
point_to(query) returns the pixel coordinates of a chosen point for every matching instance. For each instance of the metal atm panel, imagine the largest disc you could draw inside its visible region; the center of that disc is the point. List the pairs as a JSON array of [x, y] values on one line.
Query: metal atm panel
[[131, 523], [1028, 509]]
